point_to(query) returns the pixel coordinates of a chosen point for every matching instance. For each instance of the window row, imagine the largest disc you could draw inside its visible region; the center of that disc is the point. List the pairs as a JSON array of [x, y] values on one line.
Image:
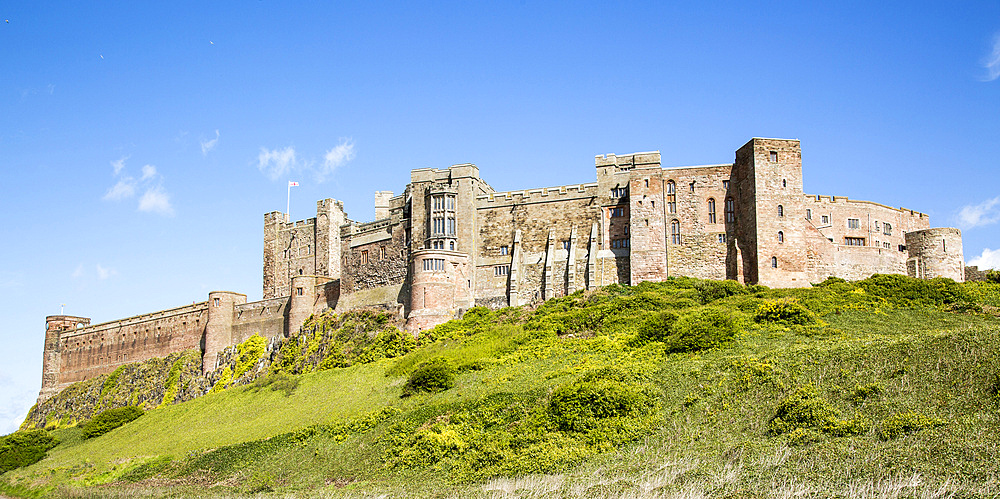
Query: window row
[[433, 263]]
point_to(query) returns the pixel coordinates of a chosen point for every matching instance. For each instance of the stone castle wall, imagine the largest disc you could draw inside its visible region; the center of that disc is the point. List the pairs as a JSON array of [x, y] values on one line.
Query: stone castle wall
[[450, 242]]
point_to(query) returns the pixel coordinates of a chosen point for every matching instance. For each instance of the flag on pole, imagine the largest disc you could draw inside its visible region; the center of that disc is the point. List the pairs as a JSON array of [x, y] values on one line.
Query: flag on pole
[[293, 184]]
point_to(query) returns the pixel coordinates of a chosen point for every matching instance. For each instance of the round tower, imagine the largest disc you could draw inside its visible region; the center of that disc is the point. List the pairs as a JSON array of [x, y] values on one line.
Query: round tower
[[302, 303], [935, 253], [219, 326], [440, 289], [55, 325]]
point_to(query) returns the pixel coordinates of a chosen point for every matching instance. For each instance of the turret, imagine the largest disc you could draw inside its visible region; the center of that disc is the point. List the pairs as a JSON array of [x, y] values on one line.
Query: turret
[[219, 327], [935, 253], [55, 325]]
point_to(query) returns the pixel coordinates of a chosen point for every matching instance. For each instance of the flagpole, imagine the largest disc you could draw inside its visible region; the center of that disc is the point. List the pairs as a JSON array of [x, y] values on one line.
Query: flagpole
[[288, 201]]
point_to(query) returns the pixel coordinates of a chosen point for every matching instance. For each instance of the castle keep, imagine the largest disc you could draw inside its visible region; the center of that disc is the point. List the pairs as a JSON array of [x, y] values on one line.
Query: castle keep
[[449, 242]]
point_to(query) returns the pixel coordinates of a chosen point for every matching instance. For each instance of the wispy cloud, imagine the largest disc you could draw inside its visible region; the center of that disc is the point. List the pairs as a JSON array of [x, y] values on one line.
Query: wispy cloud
[[78, 273], [985, 213], [156, 200], [276, 163], [123, 189], [104, 272], [148, 172], [208, 145], [990, 259], [335, 158], [992, 61], [119, 164]]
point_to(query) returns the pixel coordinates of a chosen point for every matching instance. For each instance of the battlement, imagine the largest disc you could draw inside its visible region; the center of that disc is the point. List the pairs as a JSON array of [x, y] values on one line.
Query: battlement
[[464, 170], [545, 194], [628, 161], [821, 199]]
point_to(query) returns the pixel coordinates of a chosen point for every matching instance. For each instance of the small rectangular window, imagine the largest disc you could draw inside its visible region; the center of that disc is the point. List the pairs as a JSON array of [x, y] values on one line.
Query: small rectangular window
[[504, 250], [725, 184], [854, 241], [691, 185], [853, 223], [299, 291], [722, 238], [888, 229], [620, 243], [774, 156], [501, 270], [809, 214], [825, 219], [620, 192], [364, 257], [216, 301], [617, 212], [381, 252], [565, 245]]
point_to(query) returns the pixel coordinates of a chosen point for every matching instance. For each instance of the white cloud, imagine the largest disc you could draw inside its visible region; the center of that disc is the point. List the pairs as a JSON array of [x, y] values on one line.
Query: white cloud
[[104, 273], [78, 273], [156, 200], [124, 189], [336, 157], [992, 61], [15, 402], [990, 259], [148, 172], [208, 145], [985, 213], [275, 163], [119, 164]]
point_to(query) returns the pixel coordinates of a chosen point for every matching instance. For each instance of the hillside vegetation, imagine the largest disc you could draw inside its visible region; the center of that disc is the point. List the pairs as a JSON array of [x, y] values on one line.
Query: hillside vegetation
[[887, 387]]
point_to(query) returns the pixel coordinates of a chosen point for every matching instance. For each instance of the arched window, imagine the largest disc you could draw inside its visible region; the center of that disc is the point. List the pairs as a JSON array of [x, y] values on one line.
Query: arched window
[[781, 236], [671, 197], [774, 262], [781, 211], [730, 211], [675, 232], [711, 211]]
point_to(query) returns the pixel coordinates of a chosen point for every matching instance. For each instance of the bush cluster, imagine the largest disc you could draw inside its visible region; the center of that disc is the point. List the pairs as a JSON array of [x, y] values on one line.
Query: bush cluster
[[435, 376], [903, 291], [906, 422], [110, 419], [23, 448], [804, 412], [581, 404], [785, 312]]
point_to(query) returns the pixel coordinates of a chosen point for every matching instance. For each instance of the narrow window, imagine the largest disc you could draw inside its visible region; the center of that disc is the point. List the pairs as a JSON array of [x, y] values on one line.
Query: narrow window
[[722, 238], [675, 232], [217, 302], [783, 183], [621, 192], [299, 291], [944, 246], [888, 229], [647, 182], [565, 245], [825, 219], [781, 211], [671, 197], [711, 211], [876, 226], [300, 271], [691, 185], [725, 184], [730, 211], [781, 236], [381, 252], [451, 245], [774, 262], [364, 257], [774, 156], [504, 250], [809, 214]]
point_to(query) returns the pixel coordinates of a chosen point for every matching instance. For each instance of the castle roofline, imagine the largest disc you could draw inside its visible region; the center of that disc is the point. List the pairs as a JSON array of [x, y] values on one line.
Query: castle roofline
[[697, 166]]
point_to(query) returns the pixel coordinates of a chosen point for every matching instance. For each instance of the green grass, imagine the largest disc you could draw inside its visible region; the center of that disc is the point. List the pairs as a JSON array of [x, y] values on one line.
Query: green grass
[[908, 395]]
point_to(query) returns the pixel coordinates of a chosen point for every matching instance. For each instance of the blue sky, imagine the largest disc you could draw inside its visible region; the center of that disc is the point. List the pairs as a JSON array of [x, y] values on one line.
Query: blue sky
[[141, 145]]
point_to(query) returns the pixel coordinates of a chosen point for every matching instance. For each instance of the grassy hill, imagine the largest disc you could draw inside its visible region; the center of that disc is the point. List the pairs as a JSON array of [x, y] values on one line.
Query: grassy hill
[[888, 387]]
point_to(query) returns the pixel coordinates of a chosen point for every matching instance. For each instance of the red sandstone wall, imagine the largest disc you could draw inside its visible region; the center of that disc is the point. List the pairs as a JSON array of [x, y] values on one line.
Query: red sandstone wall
[[99, 349]]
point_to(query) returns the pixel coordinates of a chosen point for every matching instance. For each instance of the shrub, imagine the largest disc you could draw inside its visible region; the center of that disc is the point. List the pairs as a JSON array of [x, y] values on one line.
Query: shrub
[[250, 351], [804, 409], [110, 419], [993, 276], [906, 422], [702, 329], [784, 312], [904, 291], [579, 405], [23, 448], [864, 392], [658, 327], [435, 376], [715, 290]]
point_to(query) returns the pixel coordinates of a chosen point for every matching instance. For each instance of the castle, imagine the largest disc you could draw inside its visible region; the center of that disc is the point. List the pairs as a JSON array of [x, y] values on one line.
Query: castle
[[450, 242]]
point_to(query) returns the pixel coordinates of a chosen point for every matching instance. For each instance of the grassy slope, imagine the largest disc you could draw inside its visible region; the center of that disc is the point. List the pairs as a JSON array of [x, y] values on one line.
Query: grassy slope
[[712, 435]]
